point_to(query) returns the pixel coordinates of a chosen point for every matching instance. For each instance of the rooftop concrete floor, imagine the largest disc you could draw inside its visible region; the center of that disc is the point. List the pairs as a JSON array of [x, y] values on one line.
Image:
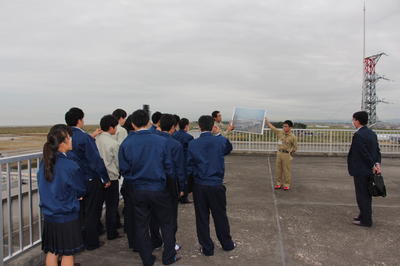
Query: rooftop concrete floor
[[308, 225]]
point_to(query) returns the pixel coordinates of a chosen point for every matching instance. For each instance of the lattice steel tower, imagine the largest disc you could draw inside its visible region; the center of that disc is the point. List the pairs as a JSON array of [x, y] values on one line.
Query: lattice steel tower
[[369, 97]]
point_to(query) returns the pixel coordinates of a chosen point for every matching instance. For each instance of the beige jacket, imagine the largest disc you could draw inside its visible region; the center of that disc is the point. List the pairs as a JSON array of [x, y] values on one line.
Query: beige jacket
[[121, 134], [108, 148]]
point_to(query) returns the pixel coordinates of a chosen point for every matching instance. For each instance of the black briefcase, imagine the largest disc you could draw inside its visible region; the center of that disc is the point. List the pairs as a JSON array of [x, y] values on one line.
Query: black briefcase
[[377, 186]]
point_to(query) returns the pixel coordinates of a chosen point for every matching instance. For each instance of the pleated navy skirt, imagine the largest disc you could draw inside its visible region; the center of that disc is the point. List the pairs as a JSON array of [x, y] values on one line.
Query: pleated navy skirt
[[64, 239]]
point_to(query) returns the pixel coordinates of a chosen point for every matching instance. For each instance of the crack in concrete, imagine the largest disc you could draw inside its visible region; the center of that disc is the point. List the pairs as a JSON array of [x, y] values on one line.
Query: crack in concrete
[[278, 224]]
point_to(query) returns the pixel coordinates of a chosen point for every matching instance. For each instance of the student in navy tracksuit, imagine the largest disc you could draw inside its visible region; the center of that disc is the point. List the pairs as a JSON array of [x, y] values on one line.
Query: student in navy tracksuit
[[145, 164], [129, 218], [184, 138], [155, 118], [61, 184], [176, 183], [87, 155], [206, 164]]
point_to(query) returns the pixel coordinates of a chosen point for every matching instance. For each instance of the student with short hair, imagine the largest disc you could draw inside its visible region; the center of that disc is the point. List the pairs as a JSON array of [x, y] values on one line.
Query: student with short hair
[[128, 125], [121, 133], [175, 183], [177, 118], [145, 164], [218, 123], [206, 165], [108, 148], [287, 146], [61, 185], [184, 138], [155, 118], [86, 154]]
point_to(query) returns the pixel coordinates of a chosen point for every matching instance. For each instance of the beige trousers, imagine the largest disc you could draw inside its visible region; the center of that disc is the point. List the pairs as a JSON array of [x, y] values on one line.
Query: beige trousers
[[283, 169]]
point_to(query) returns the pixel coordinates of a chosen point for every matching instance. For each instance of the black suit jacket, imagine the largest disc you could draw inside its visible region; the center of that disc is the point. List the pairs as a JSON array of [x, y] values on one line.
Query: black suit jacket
[[364, 152]]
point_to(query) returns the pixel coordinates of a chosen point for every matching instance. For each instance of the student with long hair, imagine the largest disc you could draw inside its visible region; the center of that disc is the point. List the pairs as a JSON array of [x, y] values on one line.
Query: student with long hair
[[61, 185]]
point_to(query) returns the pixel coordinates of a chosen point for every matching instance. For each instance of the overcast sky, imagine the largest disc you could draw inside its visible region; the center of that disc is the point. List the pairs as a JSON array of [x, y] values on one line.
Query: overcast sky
[[299, 59]]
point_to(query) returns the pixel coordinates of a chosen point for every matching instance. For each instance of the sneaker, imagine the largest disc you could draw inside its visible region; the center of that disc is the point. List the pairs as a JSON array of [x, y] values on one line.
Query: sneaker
[[278, 187], [285, 188], [177, 247]]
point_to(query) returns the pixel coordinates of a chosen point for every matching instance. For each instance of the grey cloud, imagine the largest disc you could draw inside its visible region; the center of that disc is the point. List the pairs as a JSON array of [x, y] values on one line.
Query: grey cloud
[[299, 59]]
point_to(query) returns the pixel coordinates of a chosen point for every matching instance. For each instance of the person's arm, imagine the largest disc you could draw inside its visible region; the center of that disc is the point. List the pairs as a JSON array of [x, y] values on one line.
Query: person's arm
[[227, 145], [123, 160], [229, 129], [96, 163], [95, 133], [116, 150], [76, 181], [294, 148], [190, 162], [377, 168], [362, 148], [180, 167], [112, 158], [168, 163], [271, 126]]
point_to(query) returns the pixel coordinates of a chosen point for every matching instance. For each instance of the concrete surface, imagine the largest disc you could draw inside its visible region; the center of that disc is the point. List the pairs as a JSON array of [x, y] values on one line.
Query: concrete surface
[[308, 225]]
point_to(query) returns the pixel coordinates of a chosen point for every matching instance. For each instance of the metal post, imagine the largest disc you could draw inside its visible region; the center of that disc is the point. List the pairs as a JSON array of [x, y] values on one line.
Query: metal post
[[249, 142], [30, 202], [21, 232], [1, 218], [9, 209]]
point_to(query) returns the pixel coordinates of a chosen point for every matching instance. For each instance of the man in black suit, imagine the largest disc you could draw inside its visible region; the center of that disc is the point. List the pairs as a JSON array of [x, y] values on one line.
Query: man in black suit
[[363, 160]]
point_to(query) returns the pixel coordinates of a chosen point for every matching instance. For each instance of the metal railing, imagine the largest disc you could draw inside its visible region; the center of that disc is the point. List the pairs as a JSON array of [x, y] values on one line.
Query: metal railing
[[20, 214], [331, 141], [20, 198]]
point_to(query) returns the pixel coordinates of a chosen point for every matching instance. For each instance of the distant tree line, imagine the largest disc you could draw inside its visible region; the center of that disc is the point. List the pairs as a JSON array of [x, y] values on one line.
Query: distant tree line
[[295, 125]]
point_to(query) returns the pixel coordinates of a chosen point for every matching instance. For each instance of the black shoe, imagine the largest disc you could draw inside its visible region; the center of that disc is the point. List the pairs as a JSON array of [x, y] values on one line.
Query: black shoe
[[101, 243], [230, 248], [153, 259], [176, 258], [356, 219], [210, 253], [185, 201], [361, 224], [114, 236]]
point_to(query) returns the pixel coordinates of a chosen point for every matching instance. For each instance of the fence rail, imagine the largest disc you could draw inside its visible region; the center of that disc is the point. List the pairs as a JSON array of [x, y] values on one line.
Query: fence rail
[[20, 214], [313, 141]]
